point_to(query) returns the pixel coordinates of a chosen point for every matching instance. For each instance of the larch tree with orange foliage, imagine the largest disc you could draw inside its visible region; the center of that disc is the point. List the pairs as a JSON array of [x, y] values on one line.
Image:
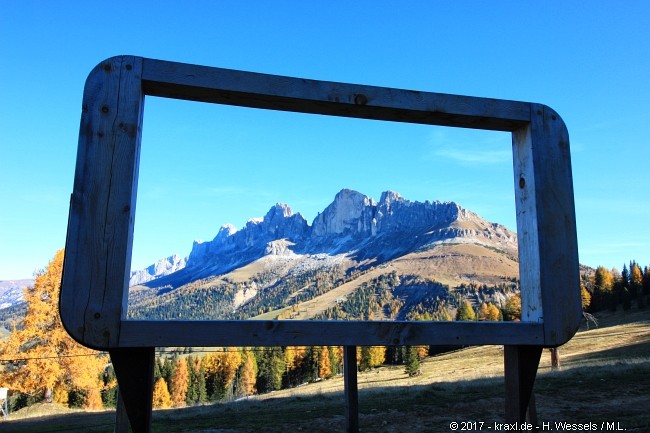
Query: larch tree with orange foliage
[[42, 358], [161, 397], [180, 383], [247, 374], [489, 312], [220, 371], [324, 364]]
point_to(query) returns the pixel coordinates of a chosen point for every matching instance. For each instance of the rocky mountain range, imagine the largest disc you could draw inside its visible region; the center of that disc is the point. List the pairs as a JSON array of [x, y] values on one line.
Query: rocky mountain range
[[282, 258], [353, 224], [11, 292]]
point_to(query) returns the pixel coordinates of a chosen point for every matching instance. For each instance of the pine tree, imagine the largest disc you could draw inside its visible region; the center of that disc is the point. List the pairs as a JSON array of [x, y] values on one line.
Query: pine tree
[[622, 288], [603, 290], [167, 371], [161, 398], [190, 396], [646, 281], [636, 283], [270, 369], [297, 364], [411, 361], [47, 361], [625, 276]]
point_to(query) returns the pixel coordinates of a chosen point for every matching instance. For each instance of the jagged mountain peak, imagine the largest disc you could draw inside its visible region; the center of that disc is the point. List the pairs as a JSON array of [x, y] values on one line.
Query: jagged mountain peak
[[225, 231], [162, 267], [390, 197], [353, 224], [350, 213], [280, 208]]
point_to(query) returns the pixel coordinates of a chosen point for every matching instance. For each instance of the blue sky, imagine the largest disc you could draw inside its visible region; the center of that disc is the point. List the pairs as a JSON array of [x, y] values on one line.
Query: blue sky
[[206, 165]]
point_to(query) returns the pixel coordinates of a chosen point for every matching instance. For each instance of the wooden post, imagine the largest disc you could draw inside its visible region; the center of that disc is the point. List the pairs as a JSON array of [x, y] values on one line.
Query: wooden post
[[134, 372], [520, 364], [555, 358], [121, 417], [94, 288], [351, 390]]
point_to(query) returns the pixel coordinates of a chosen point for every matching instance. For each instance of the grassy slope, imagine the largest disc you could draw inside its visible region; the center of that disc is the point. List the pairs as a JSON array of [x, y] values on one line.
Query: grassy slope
[[447, 264], [605, 377]]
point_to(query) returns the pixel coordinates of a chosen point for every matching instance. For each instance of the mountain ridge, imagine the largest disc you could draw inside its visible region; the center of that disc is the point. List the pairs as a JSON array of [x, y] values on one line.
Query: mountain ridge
[[354, 224]]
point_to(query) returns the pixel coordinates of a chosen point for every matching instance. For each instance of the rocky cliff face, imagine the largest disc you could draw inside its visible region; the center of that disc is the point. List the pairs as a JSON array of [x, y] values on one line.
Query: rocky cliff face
[[353, 224], [159, 269]]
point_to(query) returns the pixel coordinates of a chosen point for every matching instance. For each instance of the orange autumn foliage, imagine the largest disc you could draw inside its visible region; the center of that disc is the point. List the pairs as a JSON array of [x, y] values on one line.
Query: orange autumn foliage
[[45, 360]]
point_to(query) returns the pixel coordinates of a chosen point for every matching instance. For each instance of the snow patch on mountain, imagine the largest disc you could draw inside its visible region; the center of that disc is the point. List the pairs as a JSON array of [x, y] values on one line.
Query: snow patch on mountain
[[11, 291]]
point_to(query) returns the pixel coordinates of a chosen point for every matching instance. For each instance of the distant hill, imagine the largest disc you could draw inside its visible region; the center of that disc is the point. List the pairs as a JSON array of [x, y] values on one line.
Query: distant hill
[[11, 291], [279, 266]]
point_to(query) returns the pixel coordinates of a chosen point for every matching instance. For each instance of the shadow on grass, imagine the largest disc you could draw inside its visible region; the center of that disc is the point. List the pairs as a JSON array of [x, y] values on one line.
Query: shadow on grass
[[611, 385]]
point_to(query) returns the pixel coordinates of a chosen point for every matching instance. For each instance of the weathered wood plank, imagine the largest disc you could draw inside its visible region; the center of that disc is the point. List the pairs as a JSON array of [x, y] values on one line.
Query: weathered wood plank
[[527, 229], [351, 390], [98, 248], [559, 273], [134, 371], [102, 206], [325, 333], [546, 228], [520, 369], [226, 86]]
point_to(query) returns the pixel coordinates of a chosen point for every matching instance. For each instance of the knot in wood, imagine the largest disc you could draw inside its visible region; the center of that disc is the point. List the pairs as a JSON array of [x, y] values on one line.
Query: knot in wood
[[360, 99]]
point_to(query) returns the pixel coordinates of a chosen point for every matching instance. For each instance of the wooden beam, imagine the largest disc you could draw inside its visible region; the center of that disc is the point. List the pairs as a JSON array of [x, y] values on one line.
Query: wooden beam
[[134, 372], [250, 89], [520, 369], [121, 417], [94, 290], [351, 389], [339, 333], [102, 207]]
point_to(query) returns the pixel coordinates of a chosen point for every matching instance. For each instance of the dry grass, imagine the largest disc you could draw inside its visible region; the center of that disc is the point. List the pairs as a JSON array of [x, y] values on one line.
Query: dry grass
[[605, 377]]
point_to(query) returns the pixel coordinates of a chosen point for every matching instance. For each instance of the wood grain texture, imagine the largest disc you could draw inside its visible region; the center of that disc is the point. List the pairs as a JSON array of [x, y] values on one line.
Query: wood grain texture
[[98, 247], [527, 229], [546, 226], [231, 87], [102, 207], [325, 333], [559, 272]]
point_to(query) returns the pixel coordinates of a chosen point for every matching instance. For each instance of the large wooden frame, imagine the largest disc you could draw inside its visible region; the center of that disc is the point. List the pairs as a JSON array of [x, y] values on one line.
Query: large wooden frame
[[94, 291], [102, 209]]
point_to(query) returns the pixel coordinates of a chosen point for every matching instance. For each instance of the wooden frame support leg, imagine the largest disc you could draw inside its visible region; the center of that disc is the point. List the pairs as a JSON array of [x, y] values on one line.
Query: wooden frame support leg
[[134, 372], [521, 364], [351, 389]]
